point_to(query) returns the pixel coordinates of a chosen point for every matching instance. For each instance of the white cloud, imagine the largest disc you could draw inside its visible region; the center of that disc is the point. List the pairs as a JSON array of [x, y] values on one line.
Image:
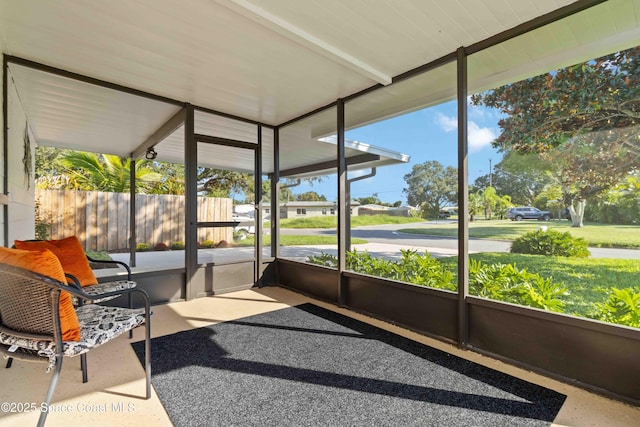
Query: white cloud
[[479, 137], [446, 123], [479, 113], [483, 114]]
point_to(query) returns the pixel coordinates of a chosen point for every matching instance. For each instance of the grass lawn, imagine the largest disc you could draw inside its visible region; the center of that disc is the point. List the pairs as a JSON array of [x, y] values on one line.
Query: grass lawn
[[588, 280], [599, 235], [356, 221], [288, 240]]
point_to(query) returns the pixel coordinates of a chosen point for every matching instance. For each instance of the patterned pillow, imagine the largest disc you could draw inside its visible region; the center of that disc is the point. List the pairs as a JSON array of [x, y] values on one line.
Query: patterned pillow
[[70, 253], [46, 263]]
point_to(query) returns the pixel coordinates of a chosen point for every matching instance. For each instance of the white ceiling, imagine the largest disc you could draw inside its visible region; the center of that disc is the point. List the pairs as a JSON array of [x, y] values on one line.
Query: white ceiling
[[265, 60], [67, 113], [272, 60]]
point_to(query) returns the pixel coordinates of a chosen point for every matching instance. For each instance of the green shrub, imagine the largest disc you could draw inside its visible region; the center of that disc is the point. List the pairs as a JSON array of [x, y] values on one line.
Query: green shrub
[[505, 282], [325, 259], [502, 282], [550, 242], [176, 246], [423, 270], [99, 255], [411, 267], [622, 307], [208, 244], [143, 247]]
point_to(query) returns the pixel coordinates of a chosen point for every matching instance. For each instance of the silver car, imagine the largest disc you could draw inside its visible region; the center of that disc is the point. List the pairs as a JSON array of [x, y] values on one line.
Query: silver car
[[528, 212]]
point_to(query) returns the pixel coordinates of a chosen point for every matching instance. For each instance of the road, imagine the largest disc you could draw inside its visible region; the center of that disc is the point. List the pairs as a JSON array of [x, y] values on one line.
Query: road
[[388, 234], [384, 242]]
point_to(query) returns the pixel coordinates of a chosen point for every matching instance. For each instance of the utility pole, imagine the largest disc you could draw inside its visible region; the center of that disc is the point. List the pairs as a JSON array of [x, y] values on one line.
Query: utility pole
[[490, 174]]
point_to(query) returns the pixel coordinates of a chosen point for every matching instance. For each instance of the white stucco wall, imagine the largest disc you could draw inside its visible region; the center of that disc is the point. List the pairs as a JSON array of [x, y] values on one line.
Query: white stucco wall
[[21, 186]]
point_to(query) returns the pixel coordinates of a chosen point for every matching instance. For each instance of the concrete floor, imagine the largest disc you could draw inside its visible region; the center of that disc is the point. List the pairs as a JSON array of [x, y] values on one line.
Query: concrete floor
[[113, 395]]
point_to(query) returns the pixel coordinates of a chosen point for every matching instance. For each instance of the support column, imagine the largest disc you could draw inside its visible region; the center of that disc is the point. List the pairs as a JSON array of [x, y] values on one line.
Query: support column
[[258, 209], [343, 205], [132, 213], [5, 147], [275, 196], [463, 202], [191, 201]]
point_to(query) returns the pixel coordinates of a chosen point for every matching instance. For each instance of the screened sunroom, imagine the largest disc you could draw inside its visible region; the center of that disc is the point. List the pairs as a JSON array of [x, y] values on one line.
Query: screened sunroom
[[352, 96]]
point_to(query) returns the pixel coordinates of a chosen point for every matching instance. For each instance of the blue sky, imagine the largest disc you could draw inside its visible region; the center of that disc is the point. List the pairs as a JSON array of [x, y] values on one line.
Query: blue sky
[[429, 134]]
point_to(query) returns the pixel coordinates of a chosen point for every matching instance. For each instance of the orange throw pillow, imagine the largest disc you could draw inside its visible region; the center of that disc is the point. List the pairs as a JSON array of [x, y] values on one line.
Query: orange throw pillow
[[46, 263], [70, 253]]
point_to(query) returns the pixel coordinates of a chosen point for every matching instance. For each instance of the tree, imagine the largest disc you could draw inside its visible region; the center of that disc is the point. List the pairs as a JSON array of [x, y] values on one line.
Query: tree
[[431, 186], [171, 181], [369, 200], [620, 205], [490, 200], [222, 183], [48, 174], [475, 205], [522, 177], [57, 168], [374, 199], [551, 198], [502, 206], [581, 119], [105, 172], [286, 194], [46, 161], [310, 196]]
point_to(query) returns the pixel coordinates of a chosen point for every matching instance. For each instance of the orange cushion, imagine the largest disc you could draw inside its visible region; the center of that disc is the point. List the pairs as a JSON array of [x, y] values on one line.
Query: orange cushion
[[70, 253], [47, 264]]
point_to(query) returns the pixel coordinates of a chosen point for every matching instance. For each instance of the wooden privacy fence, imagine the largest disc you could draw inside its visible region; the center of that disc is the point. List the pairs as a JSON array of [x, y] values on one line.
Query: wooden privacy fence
[[101, 219]]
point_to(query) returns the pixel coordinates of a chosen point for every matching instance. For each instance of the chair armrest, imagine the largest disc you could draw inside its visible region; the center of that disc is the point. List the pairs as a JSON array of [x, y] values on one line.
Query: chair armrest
[[74, 281], [81, 294], [101, 289], [112, 261], [73, 290]]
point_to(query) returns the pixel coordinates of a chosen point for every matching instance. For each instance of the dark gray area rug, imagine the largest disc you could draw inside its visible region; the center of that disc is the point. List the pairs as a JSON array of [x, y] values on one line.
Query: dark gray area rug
[[307, 366]]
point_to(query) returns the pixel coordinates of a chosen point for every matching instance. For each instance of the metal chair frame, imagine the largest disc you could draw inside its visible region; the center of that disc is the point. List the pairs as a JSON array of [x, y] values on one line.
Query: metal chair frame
[[31, 303], [76, 283]]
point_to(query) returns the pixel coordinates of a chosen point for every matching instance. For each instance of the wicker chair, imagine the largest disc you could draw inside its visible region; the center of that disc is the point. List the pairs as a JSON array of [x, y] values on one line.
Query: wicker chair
[[30, 323], [99, 293]]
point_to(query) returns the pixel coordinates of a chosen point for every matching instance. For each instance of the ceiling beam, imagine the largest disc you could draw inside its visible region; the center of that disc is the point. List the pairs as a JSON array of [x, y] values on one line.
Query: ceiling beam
[[297, 34], [216, 140], [161, 134]]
